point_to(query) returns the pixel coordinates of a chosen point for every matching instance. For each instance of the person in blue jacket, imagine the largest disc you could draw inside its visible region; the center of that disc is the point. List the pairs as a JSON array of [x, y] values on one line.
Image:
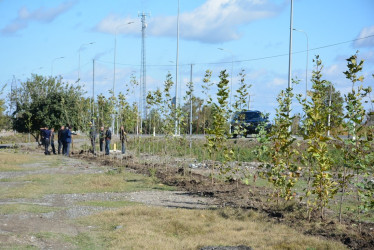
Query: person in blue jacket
[[67, 140], [52, 141], [59, 138], [63, 140], [47, 136]]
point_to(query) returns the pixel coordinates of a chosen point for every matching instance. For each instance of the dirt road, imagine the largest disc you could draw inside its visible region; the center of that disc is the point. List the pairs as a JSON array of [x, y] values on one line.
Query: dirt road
[[25, 220]]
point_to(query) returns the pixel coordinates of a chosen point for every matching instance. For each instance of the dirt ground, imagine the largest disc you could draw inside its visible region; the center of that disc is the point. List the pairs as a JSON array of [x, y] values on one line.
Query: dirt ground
[[21, 228], [195, 191]]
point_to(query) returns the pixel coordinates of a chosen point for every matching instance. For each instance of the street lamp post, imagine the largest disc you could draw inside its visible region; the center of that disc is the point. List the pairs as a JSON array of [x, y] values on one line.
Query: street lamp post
[[176, 78], [53, 62], [329, 116], [307, 56], [114, 67], [79, 59], [290, 50], [290, 60]]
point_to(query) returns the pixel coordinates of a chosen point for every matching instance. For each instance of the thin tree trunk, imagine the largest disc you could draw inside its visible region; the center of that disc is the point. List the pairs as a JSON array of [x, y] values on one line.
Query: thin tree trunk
[[307, 191], [342, 195]]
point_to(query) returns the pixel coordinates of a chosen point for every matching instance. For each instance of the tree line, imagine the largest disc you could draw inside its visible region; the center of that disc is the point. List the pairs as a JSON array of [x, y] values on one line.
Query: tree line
[[49, 101]]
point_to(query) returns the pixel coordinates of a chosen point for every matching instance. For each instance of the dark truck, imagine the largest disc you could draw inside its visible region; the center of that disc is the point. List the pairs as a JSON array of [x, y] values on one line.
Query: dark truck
[[248, 122]]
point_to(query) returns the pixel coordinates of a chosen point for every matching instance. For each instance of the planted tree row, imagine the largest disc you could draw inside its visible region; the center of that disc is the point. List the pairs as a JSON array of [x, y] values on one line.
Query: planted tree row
[[326, 166]]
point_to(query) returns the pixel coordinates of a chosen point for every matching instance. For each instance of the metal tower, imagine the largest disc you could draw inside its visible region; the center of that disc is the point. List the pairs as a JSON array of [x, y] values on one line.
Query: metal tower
[[143, 80]]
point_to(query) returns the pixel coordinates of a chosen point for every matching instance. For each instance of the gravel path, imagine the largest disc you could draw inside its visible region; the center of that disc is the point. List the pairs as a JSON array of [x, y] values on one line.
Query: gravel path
[[20, 228]]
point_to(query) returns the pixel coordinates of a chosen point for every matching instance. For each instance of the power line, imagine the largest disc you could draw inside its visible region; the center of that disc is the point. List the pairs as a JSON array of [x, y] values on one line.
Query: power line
[[247, 60], [286, 54]]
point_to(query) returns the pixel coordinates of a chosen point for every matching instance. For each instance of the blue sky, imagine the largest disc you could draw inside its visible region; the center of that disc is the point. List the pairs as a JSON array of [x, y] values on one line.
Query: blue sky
[[34, 34]]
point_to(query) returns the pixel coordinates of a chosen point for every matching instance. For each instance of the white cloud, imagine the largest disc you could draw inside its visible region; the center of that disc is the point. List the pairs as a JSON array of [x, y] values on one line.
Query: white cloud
[[254, 75], [333, 70], [42, 14], [367, 42], [279, 81], [213, 22]]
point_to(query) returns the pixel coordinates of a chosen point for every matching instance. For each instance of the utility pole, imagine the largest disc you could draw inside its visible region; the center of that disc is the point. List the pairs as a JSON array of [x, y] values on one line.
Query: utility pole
[[114, 79], [93, 92], [249, 101], [79, 58], [290, 49], [140, 106], [176, 78], [191, 96], [329, 117], [115, 117], [290, 59], [143, 79]]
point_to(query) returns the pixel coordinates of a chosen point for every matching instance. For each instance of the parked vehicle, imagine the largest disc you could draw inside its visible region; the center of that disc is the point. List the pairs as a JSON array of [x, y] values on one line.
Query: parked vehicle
[[247, 122]]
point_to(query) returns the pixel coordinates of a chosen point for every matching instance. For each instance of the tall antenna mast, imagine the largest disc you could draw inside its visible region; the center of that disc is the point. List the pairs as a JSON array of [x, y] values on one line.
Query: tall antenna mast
[[143, 71]]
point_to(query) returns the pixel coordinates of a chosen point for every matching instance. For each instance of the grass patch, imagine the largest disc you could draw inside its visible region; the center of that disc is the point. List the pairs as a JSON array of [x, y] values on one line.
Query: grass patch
[[10, 162], [62, 241], [26, 208], [85, 241], [35, 186], [110, 204], [141, 227], [46, 235], [16, 138], [18, 247]]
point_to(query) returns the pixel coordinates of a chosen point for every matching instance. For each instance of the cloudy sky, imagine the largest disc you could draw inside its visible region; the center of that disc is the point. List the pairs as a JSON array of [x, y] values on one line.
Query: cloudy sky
[[254, 36]]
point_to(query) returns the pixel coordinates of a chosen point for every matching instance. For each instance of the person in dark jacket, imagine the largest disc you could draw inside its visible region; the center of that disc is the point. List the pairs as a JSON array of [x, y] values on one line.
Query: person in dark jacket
[[47, 137], [123, 139], [53, 140], [108, 137], [59, 138], [101, 138], [63, 139], [67, 140], [93, 137]]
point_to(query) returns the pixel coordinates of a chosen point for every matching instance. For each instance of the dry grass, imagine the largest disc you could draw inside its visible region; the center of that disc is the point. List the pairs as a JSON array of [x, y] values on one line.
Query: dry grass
[[109, 204], [9, 138], [25, 208], [34, 186], [13, 162], [141, 227]]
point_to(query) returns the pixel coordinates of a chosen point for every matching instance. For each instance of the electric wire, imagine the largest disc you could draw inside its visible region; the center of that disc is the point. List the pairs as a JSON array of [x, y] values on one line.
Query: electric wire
[[245, 60]]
